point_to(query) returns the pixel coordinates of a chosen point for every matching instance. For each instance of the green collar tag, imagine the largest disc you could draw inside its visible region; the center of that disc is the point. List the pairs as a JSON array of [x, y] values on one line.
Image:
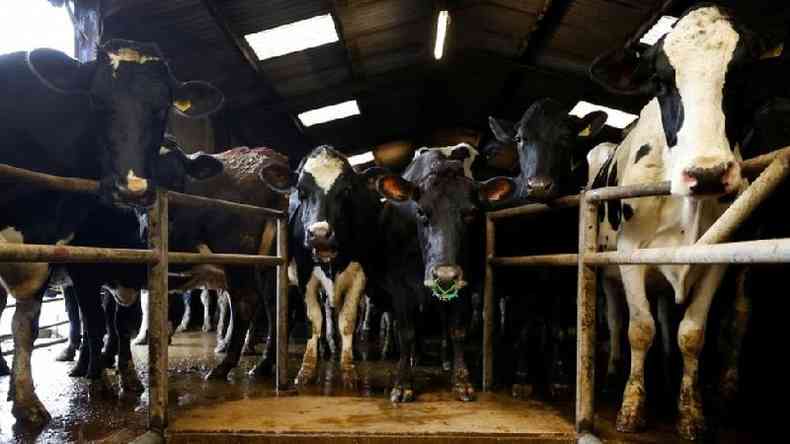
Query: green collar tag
[[445, 295]]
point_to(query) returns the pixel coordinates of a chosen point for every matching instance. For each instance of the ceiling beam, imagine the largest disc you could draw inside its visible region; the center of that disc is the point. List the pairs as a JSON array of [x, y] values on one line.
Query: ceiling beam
[[546, 25]]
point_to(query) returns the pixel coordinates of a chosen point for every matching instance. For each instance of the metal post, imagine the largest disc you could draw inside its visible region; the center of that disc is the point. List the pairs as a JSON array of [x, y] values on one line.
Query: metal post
[[157, 309], [585, 318], [281, 376], [488, 307]]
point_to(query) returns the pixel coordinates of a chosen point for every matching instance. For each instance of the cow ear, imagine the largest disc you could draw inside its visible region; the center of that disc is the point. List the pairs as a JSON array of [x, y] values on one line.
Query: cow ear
[[497, 189], [202, 166], [196, 99], [591, 124], [277, 177], [502, 129], [59, 72], [396, 188], [623, 71]]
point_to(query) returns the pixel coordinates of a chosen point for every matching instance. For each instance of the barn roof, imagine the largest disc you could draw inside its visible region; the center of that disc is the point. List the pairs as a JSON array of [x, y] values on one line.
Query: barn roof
[[501, 55]]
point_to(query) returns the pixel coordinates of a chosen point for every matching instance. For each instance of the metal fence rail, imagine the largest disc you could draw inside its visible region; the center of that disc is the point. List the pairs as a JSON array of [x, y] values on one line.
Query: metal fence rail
[[158, 258], [773, 168]]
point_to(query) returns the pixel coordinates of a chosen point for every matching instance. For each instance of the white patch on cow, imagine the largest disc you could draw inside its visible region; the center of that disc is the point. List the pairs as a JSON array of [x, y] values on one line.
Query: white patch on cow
[[136, 184], [293, 275], [323, 225], [123, 295], [596, 157], [327, 284], [12, 236], [128, 55], [163, 150], [24, 280], [325, 169], [700, 49], [447, 151]]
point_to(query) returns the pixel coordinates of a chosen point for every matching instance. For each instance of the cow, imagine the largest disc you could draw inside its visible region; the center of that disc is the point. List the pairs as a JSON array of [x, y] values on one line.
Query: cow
[[550, 146], [687, 135], [111, 115], [437, 204]]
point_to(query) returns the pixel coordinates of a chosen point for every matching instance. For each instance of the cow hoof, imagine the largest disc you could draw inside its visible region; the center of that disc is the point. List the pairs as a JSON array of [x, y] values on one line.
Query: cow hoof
[[101, 387], [631, 417], [4, 370], [522, 391], [65, 355], [249, 351], [729, 387], [222, 347], [218, 373], [447, 366], [107, 360], [400, 394], [691, 420], [207, 328], [182, 327], [80, 369], [350, 378], [560, 391], [129, 382], [31, 412], [262, 370], [141, 339], [306, 375], [464, 391]]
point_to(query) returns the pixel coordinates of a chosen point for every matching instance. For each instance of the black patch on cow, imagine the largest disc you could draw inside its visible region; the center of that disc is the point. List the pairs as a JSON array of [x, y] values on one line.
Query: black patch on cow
[[613, 208], [643, 151], [669, 100], [628, 211], [600, 181]]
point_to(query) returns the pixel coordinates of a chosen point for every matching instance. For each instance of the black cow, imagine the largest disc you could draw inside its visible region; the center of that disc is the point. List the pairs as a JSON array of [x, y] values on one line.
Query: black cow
[[102, 120], [436, 201], [537, 305]]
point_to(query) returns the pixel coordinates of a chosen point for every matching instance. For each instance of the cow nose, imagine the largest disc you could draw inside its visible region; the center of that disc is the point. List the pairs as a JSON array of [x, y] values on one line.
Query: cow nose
[[446, 275], [320, 231], [135, 186], [540, 187], [711, 180]]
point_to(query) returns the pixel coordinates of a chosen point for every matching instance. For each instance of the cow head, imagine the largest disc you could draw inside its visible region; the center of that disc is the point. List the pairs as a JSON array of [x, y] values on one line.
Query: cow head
[[447, 205], [549, 144], [174, 166], [325, 190], [693, 74], [131, 90]]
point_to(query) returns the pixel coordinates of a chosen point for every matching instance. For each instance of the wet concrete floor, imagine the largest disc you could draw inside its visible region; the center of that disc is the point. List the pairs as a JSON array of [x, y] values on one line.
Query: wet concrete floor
[[242, 406]]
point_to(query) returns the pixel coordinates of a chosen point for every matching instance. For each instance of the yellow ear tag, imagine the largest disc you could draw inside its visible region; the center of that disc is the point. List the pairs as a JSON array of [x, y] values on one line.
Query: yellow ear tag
[[182, 105], [586, 132], [774, 53]]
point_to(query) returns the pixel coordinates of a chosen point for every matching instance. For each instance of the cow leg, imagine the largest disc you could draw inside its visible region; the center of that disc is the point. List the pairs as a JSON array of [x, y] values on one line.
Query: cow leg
[[461, 383], [26, 405], [75, 326], [365, 328], [444, 353], [205, 299], [88, 296], [522, 385], [265, 365], [691, 339], [248, 349], [615, 314], [307, 372], [225, 322], [352, 284], [242, 308], [330, 333], [386, 334], [641, 330], [559, 373], [142, 334], [187, 318], [110, 348], [4, 370], [403, 390], [128, 380], [735, 330], [667, 327]]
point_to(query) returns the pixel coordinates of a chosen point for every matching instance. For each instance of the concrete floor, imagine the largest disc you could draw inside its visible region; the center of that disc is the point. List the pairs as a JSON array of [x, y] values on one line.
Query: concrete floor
[[244, 410]]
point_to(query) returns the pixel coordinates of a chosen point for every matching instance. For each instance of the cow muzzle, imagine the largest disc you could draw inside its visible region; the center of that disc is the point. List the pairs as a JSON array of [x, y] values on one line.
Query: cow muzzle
[[133, 191], [321, 239], [447, 282], [723, 178]]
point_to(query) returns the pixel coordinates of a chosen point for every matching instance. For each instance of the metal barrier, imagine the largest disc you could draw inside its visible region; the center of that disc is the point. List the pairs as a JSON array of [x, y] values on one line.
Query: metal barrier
[[772, 168], [157, 257]]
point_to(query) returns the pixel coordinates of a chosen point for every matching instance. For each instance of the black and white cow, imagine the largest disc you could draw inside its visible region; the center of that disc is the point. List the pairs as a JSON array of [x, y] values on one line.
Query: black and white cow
[[686, 135], [439, 202], [102, 120]]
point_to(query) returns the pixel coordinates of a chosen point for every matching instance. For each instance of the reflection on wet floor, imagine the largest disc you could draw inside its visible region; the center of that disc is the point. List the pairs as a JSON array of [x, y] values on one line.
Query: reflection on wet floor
[[245, 404]]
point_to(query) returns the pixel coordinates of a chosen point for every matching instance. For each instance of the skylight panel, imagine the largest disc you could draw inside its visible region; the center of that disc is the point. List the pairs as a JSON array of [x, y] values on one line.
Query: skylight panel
[[617, 118], [329, 113], [660, 29], [360, 159], [293, 37]]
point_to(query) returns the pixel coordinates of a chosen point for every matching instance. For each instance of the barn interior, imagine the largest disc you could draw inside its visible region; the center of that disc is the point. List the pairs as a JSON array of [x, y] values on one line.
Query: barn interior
[[499, 57]]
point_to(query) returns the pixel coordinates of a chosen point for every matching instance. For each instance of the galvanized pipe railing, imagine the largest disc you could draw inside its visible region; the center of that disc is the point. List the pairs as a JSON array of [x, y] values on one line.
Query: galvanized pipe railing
[[158, 258], [773, 168]]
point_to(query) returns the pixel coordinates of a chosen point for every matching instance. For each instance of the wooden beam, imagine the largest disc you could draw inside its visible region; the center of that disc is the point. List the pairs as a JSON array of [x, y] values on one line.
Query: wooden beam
[[241, 45], [334, 9]]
